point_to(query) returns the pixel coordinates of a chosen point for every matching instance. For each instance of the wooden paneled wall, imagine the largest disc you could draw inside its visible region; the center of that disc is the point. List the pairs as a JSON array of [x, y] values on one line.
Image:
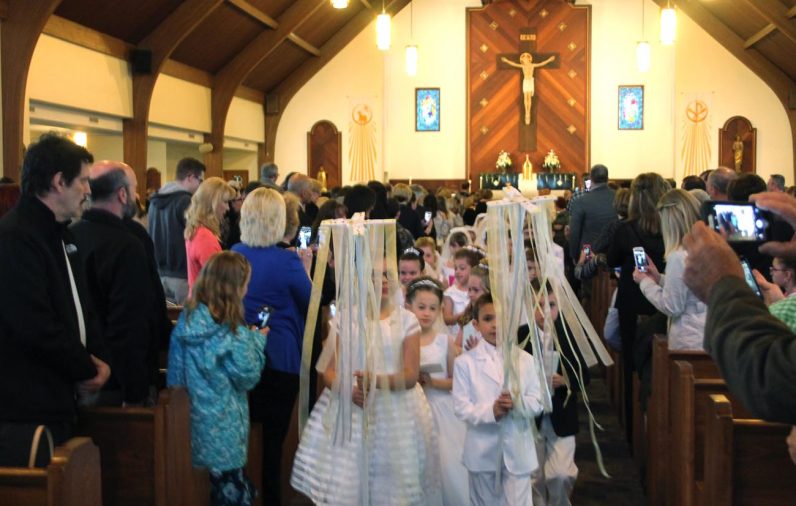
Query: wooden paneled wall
[[495, 101]]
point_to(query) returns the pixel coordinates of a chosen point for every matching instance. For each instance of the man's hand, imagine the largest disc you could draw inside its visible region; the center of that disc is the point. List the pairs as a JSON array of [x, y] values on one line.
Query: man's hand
[[771, 292], [791, 440], [97, 382], [784, 206], [709, 259]]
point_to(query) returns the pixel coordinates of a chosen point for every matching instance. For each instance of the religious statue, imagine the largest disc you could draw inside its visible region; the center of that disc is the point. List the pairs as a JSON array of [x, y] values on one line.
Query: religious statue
[[737, 150], [322, 177], [527, 66]]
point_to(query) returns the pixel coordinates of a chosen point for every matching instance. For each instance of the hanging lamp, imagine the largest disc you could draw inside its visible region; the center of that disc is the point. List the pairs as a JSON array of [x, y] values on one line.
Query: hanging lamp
[[668, 24]]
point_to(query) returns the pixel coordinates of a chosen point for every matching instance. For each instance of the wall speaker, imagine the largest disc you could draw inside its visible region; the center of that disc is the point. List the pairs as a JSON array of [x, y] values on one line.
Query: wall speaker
[[141, 61]]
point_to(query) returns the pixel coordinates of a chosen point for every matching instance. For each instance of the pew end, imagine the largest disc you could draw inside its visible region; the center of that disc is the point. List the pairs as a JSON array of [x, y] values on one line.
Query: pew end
[[71, 479], [746, 461]]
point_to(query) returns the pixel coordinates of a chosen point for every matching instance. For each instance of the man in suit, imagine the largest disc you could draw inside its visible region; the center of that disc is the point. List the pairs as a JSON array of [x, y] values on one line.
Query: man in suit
[[591, 212], [493, 416]]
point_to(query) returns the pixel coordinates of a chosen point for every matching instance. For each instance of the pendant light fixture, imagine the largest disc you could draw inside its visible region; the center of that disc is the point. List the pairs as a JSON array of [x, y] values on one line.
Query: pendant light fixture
[[339, 4], [643, 47], [411, 49], [383, 29], [668, 24]]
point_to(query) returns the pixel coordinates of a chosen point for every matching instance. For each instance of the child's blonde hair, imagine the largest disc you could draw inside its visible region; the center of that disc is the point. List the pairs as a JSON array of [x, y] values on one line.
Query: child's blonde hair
[[425, 242], [220, 286]]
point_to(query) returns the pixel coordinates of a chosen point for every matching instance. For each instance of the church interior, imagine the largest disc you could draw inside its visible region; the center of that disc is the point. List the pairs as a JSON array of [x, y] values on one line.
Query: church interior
[[471, 94]]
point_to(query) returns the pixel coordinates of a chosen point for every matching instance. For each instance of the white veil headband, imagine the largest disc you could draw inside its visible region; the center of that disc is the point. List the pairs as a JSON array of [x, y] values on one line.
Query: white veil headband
[[508, 274], [468, 232]]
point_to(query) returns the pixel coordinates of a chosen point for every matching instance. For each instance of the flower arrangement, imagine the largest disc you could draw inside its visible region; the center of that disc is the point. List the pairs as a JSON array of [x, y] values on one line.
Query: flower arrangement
[[551, 162], [503, 163]]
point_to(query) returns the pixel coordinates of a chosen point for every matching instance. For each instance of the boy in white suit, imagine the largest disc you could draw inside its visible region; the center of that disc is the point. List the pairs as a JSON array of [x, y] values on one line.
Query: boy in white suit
[[499, 438]]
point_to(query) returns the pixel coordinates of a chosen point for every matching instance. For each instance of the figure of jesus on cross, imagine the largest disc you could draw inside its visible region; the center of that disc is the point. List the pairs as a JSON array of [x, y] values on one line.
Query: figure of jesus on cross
[[527, 65]]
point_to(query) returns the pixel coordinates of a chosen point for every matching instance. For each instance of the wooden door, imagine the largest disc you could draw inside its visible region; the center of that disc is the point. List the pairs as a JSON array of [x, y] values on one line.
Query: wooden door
[[324, 149]]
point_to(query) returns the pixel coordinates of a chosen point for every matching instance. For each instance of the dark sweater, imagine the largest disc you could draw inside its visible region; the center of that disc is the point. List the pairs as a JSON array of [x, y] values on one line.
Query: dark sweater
[[41, 356], [120, 286]]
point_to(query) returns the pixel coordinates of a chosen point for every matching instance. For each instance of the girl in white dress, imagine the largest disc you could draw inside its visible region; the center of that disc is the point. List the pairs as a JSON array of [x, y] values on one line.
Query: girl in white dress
[[455, 300], [390, 458], [477, 285], [432, 258], [437, 351]]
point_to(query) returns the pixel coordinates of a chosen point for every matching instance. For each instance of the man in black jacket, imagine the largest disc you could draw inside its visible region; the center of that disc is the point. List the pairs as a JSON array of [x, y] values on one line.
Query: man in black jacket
[[47, 351], [120, 284], [167, 224]]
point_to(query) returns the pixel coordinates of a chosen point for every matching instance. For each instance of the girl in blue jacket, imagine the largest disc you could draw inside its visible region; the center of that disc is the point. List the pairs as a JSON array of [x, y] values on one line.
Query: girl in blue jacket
[[218, 360]]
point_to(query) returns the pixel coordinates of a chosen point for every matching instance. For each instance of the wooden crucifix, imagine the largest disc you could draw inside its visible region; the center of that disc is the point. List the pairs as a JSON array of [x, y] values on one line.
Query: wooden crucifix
[[528, 61]]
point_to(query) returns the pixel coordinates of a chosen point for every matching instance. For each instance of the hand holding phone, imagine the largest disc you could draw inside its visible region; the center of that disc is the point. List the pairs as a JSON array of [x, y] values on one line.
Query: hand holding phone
[[304, 237], [640, 257], [587, 251], [738, 221], [750, 278], [263, 315], [427, 218]]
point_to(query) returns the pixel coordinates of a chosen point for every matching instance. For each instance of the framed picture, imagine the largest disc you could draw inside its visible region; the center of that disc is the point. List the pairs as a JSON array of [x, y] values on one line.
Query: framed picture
[[631, 107], [427, 109]]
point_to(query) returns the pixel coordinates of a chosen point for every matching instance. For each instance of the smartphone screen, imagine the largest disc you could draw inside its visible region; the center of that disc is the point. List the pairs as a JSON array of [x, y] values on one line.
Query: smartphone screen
[[587, 250], [428, 216], [740, 221], [641, 259], [587, 184], [304, 237], [750, 278], [263, 316]]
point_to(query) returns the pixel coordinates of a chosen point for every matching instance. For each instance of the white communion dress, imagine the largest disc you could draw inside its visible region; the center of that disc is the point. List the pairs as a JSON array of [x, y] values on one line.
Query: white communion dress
[[397, 458], [450, 430], [460, 301]]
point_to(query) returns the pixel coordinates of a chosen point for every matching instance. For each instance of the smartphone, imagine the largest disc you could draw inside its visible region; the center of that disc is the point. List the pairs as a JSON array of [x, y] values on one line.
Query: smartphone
[[750, 278], [587, 184], [304, 237], [587, 250], [740, 221], [428, 216], [640, 256], [263, 315], [332, 310]]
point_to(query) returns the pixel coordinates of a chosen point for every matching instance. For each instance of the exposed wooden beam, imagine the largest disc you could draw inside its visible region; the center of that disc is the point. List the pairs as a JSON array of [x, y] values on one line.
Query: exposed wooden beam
[[255, 13], [791, 12], [3, 10], [235, 72], [366, 3], [68, 30], [303, 44], [775, 13], [285, 90], [161, 43], [21, 29], [757, 37], [776, 79]]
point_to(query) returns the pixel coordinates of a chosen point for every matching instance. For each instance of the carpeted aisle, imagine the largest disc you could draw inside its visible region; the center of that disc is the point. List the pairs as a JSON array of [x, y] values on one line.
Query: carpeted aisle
[[624, 487]]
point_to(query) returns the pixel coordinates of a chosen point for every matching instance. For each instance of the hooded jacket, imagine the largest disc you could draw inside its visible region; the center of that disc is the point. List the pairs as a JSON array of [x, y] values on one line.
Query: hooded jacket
[[166, 226], [217, 366]]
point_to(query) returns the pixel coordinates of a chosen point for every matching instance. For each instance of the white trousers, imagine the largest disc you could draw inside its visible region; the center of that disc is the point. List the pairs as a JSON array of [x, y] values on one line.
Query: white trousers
[[515, 490], [555, 477]]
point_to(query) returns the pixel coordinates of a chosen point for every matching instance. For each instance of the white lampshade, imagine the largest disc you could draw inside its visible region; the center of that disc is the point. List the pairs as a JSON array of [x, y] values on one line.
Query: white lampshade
[[643, 58], [80, 138], [668, 25], [411, 60], [339, 4], [383, 31]]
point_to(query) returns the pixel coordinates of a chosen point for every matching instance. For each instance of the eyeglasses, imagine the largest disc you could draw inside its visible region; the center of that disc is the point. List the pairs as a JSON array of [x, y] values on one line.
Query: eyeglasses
[[772, 269]]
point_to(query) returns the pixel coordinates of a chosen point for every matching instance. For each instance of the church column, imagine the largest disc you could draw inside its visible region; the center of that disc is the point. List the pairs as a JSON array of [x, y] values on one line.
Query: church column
[[161, 42], [21, 26]]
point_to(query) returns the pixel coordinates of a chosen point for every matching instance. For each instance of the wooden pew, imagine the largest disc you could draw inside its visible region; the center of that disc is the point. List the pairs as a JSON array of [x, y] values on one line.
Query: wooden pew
[[659, 409], [746, 461], [689, 403], [146, 453], [639, 427], [71, 479]]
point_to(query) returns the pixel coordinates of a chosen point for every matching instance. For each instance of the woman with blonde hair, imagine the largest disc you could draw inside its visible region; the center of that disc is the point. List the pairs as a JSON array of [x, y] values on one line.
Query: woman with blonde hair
[[679, 210], [279, 280], [203, 224]]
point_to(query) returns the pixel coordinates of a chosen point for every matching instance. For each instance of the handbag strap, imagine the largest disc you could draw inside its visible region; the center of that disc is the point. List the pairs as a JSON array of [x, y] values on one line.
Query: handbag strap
[[34, 445]]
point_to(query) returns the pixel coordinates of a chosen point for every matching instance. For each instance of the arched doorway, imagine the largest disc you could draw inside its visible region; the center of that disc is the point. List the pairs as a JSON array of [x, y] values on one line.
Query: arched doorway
[[324, 149]]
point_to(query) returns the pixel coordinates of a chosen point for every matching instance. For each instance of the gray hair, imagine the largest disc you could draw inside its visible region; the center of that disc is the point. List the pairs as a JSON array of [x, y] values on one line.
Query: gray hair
[[720, 179], [103, 187], [269, 172], [779, 181]]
